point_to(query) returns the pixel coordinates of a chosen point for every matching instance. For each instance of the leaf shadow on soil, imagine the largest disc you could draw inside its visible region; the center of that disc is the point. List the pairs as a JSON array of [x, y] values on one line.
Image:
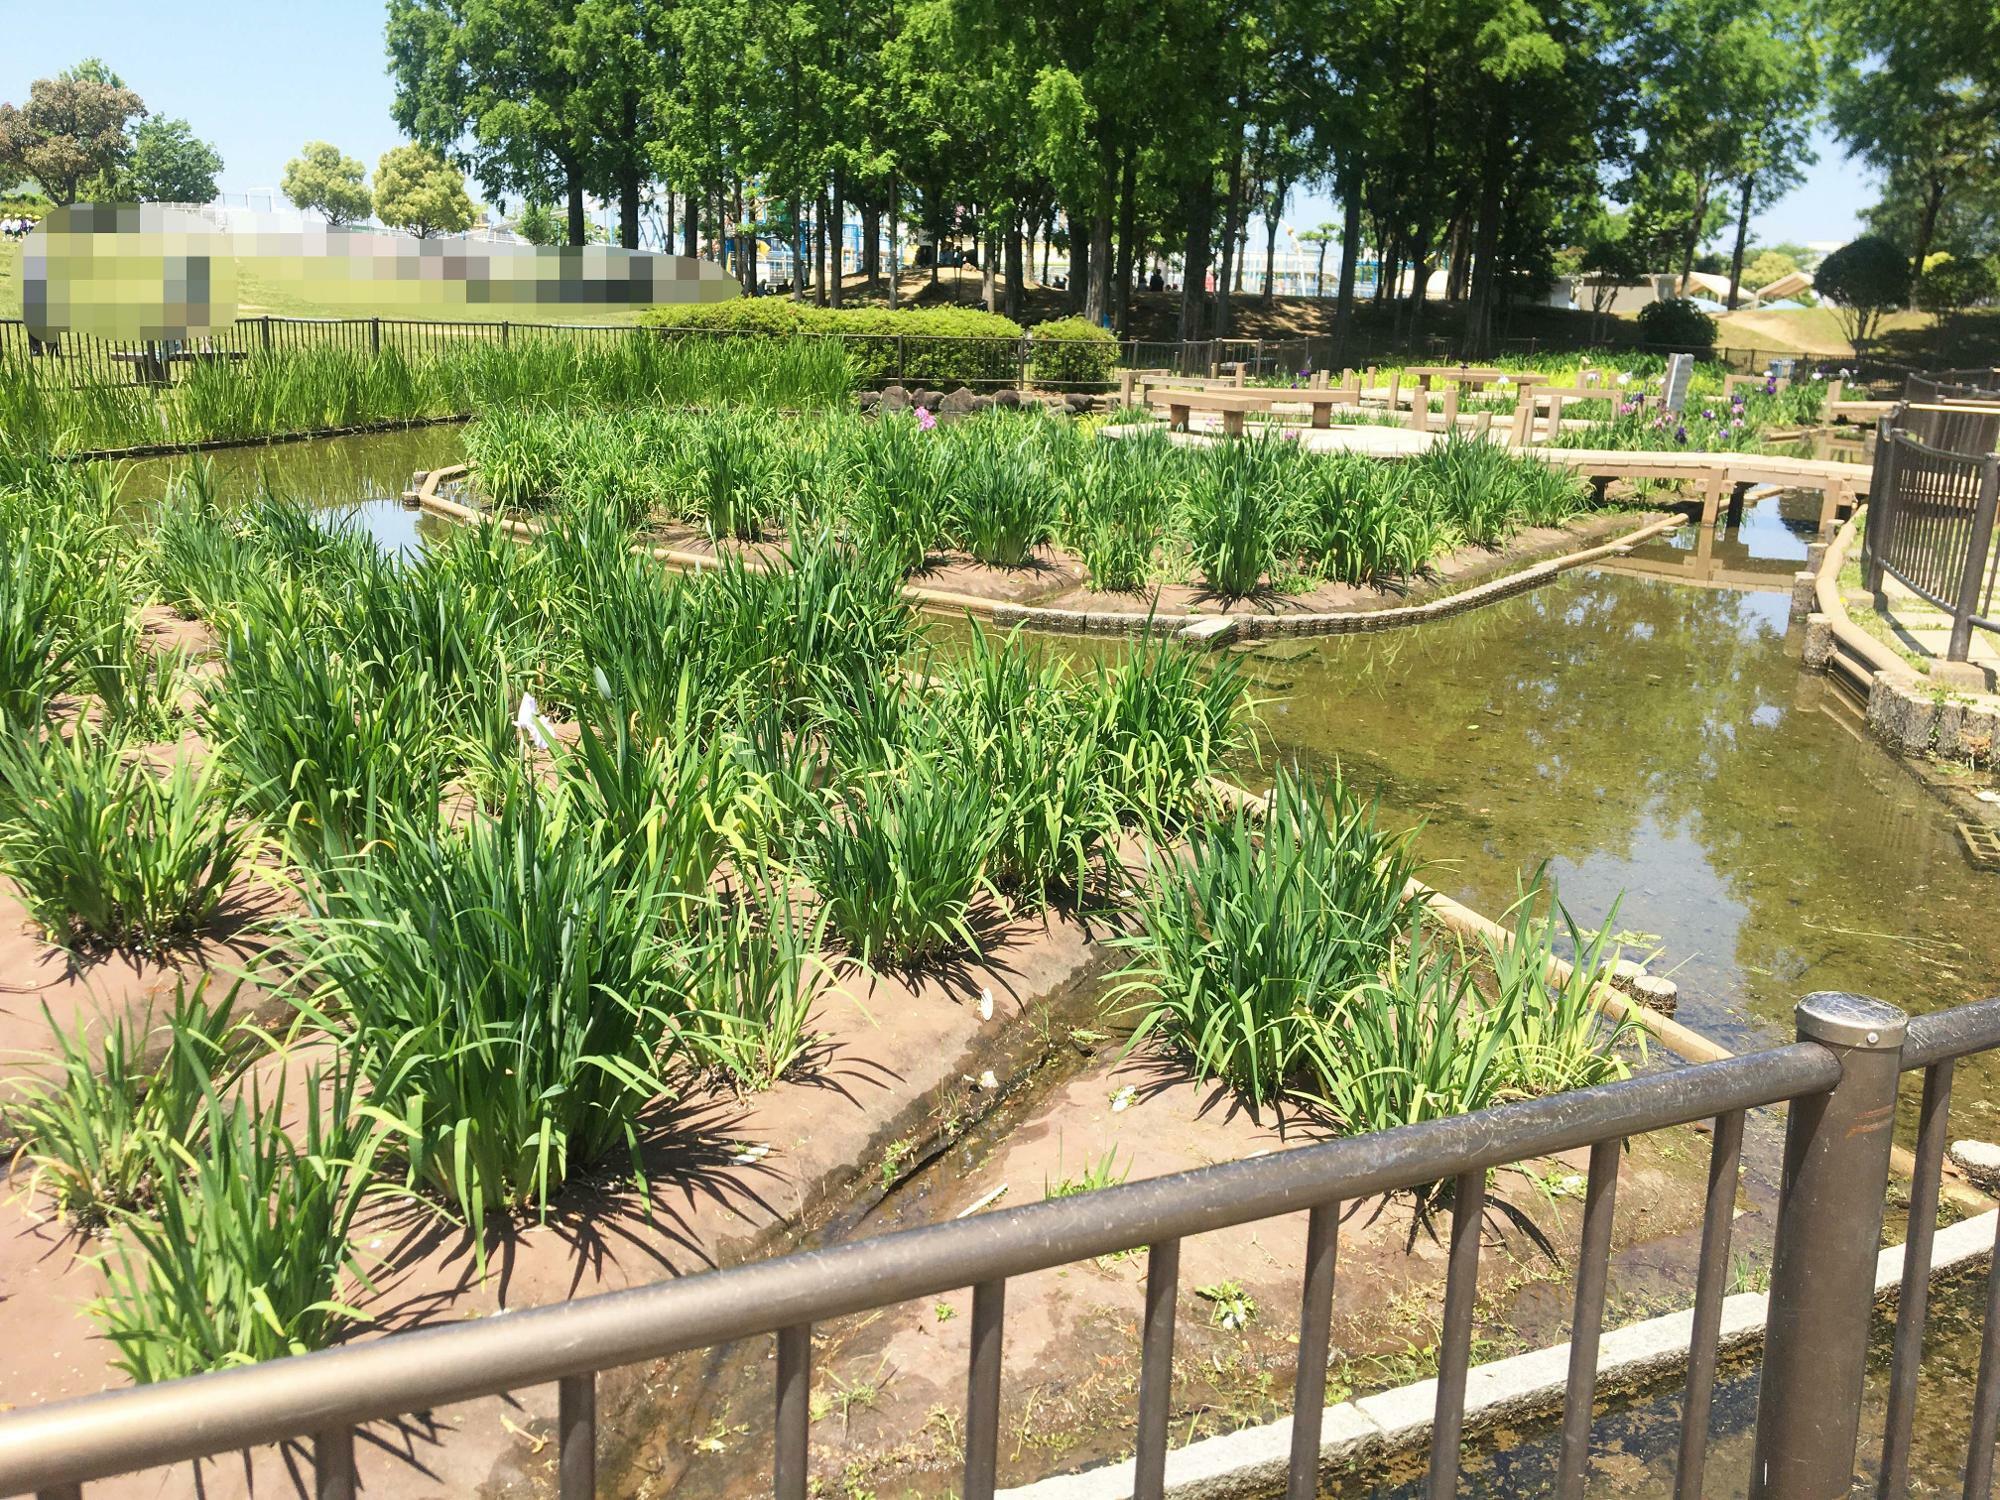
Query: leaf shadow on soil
[[692, 1152]]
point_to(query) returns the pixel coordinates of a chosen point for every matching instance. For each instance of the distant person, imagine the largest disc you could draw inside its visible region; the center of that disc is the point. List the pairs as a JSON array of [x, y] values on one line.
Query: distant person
[[1159, 281]]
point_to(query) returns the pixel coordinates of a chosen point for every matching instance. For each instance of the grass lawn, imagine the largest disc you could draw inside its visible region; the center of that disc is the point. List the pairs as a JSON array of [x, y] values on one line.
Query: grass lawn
[[10, 278]]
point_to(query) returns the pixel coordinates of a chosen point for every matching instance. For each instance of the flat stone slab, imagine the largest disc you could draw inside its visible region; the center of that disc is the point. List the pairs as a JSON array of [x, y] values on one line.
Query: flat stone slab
[[1210, 631]]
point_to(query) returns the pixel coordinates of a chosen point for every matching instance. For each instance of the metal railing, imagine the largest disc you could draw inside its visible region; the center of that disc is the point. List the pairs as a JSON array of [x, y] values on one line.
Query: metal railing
[[80, 360], [1931, 517], [1840, 1078], [1953, 385]]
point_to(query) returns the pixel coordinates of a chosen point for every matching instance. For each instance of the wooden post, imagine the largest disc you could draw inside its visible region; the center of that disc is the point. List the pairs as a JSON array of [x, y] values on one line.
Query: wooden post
[[1524, 419], [1555, 416], [1395, 388], [1125, 386], [1450, 409], [1239, 375]]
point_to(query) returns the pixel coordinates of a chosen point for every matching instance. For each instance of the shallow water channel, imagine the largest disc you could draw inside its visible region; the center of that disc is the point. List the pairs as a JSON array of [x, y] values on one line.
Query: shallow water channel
[[1644, 728]]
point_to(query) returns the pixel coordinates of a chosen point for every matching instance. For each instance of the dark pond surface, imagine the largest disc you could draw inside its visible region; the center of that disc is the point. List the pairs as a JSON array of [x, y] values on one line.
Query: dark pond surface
[[356, 480]]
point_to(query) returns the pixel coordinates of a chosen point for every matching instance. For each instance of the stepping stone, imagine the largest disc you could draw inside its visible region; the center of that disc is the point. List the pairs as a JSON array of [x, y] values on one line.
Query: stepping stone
[[1211, 631], [1980, 1161]]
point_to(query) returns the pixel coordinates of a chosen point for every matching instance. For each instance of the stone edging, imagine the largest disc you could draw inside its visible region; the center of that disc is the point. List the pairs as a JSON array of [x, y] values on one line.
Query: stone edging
[[1007, 615], [1906, 709], [1254, 1462]]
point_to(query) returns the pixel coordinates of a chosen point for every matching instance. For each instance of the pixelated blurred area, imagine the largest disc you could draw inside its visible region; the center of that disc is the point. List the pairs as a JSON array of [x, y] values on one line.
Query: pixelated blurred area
[[162, 273]]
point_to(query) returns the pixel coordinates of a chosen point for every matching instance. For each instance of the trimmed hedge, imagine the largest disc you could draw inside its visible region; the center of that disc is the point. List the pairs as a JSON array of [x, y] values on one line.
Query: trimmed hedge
[[1072, 352], [939, 345]]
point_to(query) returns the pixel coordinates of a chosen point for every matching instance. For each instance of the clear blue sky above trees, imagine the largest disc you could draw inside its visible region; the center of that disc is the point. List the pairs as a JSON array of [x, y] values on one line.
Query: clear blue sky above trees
[[259, 80]]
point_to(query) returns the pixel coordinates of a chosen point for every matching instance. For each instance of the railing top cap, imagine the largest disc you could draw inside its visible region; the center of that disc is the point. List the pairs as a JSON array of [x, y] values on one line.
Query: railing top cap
[[1845, 1020]]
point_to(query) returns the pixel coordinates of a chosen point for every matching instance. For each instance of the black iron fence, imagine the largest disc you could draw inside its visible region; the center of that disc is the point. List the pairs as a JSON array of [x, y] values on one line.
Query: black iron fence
[[80, 360], [1932, 511], [1840, 1080]]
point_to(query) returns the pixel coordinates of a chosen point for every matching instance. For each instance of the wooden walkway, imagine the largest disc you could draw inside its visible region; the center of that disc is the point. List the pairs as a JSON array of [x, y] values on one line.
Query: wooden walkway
[[1724, 477]]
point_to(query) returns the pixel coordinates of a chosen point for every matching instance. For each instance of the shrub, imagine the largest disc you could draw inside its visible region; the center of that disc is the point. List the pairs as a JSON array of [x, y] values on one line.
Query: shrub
[[245, 1254], [1864, 278], [1073, 353], [1676, 321], [105, 849], [1167, 719], [324, 750], [935, 345]]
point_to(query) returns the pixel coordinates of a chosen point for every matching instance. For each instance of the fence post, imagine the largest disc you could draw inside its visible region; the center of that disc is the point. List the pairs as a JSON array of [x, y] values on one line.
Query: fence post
[[899, 359], [1881, 506], [1978, 549], [267, 333], [375, 335], [1823, 1264]]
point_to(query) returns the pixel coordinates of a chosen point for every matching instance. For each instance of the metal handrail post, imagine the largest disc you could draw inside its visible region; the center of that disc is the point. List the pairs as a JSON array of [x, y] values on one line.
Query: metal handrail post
[[1882, 506], [1823, 1262], [1978, 548]]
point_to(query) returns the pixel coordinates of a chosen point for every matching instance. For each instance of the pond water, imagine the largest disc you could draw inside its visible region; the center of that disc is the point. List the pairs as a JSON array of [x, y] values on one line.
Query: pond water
[[1646, 730]]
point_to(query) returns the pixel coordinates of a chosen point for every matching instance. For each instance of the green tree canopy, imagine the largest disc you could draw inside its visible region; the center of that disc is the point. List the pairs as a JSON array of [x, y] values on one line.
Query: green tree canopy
[[418, 190], [1864, 279], [171, 165], [71, 130], [320, 177]]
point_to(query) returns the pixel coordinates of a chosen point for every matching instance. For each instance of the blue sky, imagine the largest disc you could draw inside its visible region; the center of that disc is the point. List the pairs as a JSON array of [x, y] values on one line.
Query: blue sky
[[259, 80]]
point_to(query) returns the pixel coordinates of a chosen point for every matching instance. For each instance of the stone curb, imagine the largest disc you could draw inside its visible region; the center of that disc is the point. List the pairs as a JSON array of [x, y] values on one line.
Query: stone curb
[[1254, 1461]]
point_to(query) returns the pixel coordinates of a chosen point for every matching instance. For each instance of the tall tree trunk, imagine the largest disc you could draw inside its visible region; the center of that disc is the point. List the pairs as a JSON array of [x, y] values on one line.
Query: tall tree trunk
[[1693, 237], [1128, 215], [871, 241], [1079, 263], [1097, 300], [1350, 255], [1742, 239], [691, 223], [628, 169], [836, 289], [1194, 260], [1927, 225], [819, 251], [574, 185], [895, 242], [989, 283], [1231, 208], [746, 246], [1272, 211], [1485, 255], [798, 245], [1016, 276]]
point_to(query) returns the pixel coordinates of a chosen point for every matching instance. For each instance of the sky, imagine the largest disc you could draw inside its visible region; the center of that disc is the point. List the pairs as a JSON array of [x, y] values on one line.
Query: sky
[[260, 79]]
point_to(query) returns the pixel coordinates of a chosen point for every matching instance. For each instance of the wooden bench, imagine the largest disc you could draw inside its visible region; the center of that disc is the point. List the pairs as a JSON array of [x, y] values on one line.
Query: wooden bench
[[1180, 403]]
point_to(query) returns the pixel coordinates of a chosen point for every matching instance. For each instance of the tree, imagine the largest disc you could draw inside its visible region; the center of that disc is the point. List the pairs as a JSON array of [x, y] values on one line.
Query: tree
[[537, 225], [1767, 266], [1864, 279], [1321, 237], [1950, 284], [418, 190], [321, 178], [1912, 103], [71, 130], [170, 165]]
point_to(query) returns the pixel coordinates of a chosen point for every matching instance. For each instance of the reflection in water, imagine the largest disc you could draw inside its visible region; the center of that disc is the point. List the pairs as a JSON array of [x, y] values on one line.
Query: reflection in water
[[355, 480], [1660, 744]]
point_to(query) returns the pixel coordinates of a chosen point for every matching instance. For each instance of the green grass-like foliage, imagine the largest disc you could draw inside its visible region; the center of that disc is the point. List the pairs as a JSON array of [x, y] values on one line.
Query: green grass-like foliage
[[1248, 944], [897, 857], [105, 849], [316, 389], [245, 1254], [504, 991], [89, 1126], [754, 976]]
